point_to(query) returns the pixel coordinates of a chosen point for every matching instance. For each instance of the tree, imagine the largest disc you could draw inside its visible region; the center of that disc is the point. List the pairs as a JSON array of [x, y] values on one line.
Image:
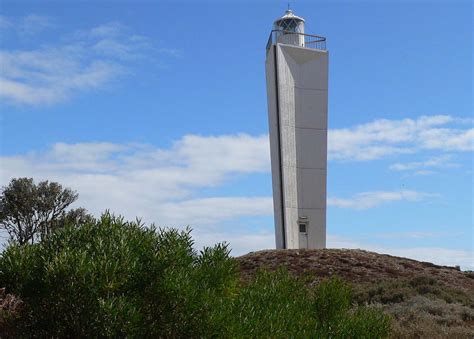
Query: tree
[[30, 212]]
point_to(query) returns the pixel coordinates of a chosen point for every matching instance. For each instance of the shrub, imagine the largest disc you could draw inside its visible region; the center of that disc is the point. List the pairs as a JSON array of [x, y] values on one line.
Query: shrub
[[274, 304], [116, 278], [278, 305]]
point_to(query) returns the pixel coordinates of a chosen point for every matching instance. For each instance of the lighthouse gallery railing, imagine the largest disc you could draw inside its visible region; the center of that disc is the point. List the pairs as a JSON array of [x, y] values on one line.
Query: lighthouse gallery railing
[[307, 40]]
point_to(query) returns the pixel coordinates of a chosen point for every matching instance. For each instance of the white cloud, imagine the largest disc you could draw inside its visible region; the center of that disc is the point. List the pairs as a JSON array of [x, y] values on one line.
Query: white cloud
[[236, 153], [174, 52], [367, 200], [26, 26], [448, 139], [45, 83], [33, 24], [418, 235], [107, 30], [437, 255], [441, 161], [382, 138], [5, 22], [209, 211], [53, 72]]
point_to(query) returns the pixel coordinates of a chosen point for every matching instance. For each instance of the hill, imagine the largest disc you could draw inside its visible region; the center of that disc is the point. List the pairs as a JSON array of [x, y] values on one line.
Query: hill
[[425, 300]]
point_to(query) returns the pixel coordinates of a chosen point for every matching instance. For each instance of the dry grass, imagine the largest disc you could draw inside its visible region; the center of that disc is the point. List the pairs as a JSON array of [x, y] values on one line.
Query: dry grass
[[425, 317], [425, 300]]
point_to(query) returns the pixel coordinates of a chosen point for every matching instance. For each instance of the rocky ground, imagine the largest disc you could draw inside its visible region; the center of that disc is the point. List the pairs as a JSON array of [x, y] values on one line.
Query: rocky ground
[[425, 300]]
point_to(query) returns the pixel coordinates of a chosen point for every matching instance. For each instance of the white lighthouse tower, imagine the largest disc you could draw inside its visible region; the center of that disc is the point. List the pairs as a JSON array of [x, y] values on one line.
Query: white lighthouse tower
[[297, 91]]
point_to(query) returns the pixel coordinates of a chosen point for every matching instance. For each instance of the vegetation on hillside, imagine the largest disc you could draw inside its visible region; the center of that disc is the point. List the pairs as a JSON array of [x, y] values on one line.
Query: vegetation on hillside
[[112, 278]]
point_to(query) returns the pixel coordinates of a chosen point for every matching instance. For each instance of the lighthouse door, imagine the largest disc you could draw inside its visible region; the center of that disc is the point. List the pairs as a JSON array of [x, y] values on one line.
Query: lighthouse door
[[303, 235]]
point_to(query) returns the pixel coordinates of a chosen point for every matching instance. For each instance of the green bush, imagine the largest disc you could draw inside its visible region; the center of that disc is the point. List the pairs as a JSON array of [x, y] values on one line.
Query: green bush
[[278, 305], [111, 278], [275, 304], [116, 278]]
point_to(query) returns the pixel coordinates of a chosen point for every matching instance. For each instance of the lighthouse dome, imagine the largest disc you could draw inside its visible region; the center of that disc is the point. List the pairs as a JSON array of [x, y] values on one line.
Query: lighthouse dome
[[289, 22]]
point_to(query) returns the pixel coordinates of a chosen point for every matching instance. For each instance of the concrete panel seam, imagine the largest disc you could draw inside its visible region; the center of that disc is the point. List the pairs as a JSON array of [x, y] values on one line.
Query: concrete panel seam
[[318, 168], [315, 128], [282, 197], [312, 89]]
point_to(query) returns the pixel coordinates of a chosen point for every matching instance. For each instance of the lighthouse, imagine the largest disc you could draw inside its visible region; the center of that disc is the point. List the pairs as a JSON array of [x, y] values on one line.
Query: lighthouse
[[297, 93]]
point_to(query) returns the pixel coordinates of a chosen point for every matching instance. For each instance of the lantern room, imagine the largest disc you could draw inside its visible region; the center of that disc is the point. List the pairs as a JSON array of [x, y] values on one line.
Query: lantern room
[[290, 29]]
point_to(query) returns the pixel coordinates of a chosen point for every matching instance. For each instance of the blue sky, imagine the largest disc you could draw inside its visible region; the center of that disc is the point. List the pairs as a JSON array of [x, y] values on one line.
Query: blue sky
[[158, 110]]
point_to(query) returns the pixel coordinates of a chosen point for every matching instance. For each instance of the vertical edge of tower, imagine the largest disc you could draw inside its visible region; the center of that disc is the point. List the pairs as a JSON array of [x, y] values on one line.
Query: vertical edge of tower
[[288, 151], [274, 126]]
